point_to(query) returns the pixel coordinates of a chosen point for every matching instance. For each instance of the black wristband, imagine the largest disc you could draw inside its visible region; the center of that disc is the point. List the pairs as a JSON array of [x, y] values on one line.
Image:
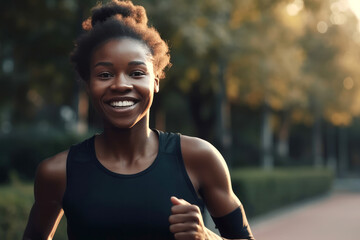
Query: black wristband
[[234, 225]]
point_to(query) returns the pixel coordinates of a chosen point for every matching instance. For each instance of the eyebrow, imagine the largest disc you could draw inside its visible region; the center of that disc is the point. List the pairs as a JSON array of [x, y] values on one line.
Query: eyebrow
[[136, 63], [103, 64]]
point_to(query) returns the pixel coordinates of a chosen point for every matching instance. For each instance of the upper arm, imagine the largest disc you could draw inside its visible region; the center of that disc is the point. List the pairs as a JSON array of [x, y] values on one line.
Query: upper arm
[[49, 188], [209, 169]]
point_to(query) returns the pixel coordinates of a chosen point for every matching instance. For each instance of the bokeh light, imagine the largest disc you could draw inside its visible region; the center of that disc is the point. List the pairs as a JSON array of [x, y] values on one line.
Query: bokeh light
[[348, 83], [322, 27], [295, 7]]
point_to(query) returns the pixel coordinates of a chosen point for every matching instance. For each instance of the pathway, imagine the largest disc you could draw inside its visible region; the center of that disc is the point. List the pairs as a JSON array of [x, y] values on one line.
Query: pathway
[[332, 217]]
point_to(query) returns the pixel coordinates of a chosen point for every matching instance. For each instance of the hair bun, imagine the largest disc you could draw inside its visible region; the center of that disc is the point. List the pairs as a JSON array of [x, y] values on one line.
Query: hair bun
[[120, 9]]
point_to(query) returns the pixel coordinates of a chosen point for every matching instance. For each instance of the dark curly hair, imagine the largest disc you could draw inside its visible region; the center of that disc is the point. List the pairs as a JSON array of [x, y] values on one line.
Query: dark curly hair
[[118, 19]]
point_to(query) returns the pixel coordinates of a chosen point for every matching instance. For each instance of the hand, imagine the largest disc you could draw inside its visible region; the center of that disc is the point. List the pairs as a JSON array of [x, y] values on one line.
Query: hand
[[186, 221]]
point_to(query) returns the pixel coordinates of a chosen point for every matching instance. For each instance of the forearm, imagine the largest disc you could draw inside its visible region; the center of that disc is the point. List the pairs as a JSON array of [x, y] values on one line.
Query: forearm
[[43, 221], [34, 235], [30, 234]]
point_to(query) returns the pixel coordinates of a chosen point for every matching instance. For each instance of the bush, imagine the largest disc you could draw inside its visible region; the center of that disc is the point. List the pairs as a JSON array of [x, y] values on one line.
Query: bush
[[22, 151], [261, 191], [15, 204]]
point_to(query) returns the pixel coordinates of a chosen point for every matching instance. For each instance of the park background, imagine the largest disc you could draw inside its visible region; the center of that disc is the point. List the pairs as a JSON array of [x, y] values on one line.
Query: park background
[[273, 84]]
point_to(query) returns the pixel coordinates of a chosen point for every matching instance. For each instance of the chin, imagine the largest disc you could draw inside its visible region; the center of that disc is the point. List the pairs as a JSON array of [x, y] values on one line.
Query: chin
[[122, 124]]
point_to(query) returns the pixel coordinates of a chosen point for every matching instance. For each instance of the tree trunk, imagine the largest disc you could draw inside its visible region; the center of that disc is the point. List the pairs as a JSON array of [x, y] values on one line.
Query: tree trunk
[[267, 139], [83, 113], [331, 148], [223, 116], [78, 102], [282, 147], [317, 142], [343, 152]]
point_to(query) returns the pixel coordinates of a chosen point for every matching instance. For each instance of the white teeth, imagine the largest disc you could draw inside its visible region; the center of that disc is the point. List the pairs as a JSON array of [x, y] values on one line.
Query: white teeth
[[122, 103]]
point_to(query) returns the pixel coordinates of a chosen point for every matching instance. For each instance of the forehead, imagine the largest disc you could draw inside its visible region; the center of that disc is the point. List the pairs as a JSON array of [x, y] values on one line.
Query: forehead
[[122, 49]]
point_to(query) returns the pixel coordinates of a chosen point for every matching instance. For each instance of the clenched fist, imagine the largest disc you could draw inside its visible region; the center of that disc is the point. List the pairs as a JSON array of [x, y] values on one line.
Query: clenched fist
[[186, 221]]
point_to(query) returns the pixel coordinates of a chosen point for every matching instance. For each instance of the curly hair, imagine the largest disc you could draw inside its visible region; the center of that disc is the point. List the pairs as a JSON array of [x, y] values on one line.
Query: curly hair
[[118, 19]]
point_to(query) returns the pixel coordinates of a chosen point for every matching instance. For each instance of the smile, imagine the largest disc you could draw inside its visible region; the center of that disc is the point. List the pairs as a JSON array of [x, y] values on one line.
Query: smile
[[117, 104]]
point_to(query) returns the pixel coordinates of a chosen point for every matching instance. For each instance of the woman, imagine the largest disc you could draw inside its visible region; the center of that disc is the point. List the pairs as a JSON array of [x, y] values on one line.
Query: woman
[[131, 182]]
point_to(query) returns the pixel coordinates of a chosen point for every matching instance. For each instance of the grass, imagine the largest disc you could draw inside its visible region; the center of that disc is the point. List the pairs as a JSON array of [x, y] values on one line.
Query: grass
[[16, 201]]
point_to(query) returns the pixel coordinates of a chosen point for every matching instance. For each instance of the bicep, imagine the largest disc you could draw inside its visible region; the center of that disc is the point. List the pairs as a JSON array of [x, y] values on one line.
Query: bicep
[[216, 187], [211, 173], [218, 195]]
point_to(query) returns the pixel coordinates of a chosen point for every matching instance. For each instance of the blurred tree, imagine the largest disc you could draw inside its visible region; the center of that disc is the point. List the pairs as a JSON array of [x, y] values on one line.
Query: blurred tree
[[36, 39], [265, 73], [289, 67], [331, 51], [267, 54], [35, 67], [293, 61]]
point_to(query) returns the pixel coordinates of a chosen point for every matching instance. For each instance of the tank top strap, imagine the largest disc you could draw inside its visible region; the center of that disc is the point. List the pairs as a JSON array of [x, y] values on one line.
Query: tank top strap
[[169, 142], [81, 152]]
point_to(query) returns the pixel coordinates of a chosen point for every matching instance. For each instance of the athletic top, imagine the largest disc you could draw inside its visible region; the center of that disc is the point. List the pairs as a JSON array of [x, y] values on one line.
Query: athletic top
[[101, 204]]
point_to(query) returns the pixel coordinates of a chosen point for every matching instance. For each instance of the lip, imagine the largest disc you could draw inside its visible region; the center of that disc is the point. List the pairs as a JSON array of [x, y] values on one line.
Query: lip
[[123, 110], [125, 98]]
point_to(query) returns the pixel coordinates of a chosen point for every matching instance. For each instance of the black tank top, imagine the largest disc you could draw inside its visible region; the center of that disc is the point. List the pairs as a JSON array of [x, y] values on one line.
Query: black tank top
[[100, 204]]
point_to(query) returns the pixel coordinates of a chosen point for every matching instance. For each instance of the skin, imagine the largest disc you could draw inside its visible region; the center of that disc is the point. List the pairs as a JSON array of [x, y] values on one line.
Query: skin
[[122, 69]]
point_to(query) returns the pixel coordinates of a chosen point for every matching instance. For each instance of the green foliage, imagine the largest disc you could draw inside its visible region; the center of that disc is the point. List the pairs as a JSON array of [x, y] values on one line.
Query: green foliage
[[36, 38], [261, 191], [15, 204], [262, 54], [23, 150]]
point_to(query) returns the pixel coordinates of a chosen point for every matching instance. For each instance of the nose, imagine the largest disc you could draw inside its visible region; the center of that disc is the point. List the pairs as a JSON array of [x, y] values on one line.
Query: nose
[[121, 83]]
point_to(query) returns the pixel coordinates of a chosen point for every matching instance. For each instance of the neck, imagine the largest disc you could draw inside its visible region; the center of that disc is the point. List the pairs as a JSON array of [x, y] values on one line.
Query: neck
[[125, 144]]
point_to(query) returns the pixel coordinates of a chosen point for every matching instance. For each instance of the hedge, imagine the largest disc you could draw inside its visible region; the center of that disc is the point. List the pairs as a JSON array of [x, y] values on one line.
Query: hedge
[[22, 151], [15, 204], [259, 191], [262, 191]]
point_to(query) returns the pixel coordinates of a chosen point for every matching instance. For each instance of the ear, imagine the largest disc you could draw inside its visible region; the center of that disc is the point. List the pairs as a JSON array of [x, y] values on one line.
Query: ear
[[156, 84]]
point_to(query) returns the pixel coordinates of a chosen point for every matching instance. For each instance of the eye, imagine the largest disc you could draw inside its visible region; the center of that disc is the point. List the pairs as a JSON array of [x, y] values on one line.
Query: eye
[[137, 73], [105, 75]]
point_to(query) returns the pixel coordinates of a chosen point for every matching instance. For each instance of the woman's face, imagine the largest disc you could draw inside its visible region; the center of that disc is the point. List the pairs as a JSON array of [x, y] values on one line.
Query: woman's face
[[122, 82]]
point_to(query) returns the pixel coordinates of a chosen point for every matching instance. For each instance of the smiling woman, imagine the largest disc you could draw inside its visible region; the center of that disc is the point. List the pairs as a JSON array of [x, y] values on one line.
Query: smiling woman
[[122, 82], [130, 181]]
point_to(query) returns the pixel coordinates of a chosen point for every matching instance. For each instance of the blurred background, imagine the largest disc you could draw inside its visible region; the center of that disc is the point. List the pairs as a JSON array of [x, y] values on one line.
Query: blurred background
[[273, 84]]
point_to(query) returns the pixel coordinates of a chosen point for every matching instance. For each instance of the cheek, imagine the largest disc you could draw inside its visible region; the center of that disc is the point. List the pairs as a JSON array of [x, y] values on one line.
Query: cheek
[[145, 87], [95, 89]]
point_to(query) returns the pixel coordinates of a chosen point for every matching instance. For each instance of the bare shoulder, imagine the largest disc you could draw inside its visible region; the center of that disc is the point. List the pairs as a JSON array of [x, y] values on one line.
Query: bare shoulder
[[200, 153], [50, 178], [54, 166]]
